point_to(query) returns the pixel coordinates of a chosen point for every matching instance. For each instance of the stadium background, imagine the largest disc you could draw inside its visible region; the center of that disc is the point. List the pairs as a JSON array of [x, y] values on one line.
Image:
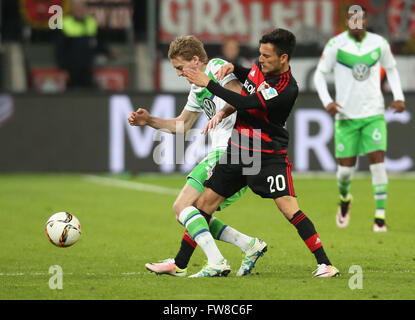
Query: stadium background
[[46, 126], [57, 146]]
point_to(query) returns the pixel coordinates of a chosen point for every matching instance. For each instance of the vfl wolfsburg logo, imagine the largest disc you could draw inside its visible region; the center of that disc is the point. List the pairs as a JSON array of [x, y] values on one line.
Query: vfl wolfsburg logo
[[340, 147], [209, 107], [361, 71], [374, 55]]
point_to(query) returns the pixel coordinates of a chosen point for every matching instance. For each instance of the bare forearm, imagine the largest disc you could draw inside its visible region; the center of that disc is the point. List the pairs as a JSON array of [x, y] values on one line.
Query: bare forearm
[[180, 124], [166, 125]]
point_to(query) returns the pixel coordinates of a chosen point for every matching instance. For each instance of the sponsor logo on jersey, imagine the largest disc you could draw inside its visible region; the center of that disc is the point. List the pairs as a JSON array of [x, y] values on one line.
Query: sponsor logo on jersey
[[250, 88], [209, 107], [361, 71]]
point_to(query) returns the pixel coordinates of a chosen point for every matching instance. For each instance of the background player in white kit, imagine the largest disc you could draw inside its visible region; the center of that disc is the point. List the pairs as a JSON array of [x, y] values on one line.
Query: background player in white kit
[[188, 52], [355, 56]]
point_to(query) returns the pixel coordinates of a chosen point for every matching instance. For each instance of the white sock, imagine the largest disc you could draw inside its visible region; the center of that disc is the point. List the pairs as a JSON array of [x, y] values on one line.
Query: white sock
[[233, 236], [344, 178], [380, 188], [344, 174], [195, 223], [379, 174], [209, 247]]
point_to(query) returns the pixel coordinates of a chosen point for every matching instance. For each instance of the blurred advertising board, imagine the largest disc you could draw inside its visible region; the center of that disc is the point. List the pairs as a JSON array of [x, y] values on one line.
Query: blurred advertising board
[[312, 21], [89, 132], [303, 70]]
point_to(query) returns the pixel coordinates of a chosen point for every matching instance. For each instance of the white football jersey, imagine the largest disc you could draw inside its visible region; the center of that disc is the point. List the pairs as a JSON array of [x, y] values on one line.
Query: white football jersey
[[356, 67], [202, 100]]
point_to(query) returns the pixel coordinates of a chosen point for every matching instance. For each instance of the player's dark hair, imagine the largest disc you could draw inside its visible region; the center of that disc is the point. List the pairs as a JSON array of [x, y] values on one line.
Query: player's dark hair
[[283, 40]]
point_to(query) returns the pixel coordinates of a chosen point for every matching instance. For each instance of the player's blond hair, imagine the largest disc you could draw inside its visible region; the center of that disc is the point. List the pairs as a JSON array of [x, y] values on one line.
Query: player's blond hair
[[186, 47]]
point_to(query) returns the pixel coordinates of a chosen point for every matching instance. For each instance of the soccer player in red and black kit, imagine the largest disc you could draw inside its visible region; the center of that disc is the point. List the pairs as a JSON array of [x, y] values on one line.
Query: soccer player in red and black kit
[[267, 98]]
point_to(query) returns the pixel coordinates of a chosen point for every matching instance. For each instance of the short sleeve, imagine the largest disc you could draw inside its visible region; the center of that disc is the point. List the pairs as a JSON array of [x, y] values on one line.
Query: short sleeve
[[227, 79], [192, 104], [215, 65]]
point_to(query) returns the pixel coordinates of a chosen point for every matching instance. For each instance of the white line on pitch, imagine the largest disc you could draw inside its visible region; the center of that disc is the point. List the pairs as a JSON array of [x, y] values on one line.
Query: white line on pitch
[[19, 274], [131, 185]]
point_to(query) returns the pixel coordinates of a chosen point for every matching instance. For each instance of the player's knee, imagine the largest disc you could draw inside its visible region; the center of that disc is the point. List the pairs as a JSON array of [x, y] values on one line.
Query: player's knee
[[344, 173], [205, 204], [288, 205], [177, 208]]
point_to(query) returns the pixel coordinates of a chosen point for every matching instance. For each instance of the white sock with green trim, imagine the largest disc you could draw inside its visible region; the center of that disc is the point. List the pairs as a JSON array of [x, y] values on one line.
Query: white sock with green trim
[[198, 229], [240, 240], [380, 188], [344, 178]]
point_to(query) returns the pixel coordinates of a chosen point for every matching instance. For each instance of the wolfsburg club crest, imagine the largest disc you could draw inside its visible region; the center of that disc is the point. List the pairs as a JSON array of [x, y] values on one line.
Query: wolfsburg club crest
[[361, 71], [209, 107]]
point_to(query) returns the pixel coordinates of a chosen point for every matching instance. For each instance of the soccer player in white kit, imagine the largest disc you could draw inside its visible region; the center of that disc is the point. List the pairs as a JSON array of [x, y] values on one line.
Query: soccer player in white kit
[[188, 52], [355, 57]]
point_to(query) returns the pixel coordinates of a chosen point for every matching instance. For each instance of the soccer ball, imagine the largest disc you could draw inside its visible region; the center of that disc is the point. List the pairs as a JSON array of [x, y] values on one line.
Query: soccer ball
[[63, 229]]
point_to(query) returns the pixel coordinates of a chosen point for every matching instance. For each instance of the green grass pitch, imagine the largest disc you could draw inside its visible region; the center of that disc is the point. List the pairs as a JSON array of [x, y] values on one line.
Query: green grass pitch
[[125, 227]]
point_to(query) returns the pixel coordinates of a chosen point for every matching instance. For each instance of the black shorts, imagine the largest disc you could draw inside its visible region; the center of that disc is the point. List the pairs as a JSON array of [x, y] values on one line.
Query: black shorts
[[273, 180]]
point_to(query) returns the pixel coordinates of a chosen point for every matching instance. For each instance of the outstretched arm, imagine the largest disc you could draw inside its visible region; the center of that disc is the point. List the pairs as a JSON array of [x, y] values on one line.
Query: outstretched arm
[[180, 124]]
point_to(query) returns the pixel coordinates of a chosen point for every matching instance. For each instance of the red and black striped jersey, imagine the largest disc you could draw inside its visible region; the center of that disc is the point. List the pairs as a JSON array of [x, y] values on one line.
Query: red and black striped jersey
[[263, 107]]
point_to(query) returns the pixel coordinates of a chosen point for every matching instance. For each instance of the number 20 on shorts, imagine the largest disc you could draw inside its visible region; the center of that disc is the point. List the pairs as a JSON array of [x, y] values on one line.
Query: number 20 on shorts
[[277, 182]]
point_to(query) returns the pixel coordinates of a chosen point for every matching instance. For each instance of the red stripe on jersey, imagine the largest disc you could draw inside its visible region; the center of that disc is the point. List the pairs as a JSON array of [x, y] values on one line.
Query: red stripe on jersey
[[253, 133], [283, 151], [258, 76], [282, 84], [285, 84], [258, 113]]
